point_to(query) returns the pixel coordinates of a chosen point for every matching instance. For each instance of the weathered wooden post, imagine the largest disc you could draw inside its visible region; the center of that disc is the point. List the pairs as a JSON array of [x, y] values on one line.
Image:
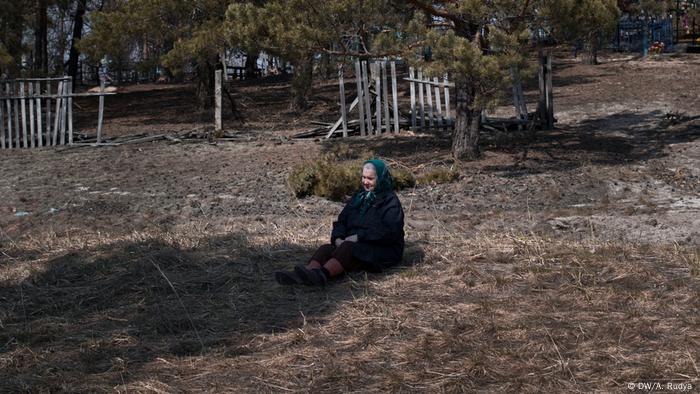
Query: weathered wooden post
[[422, 100], [447, 100], [438, 103], [31, 113], [59, 105], [100, 113], [378, 102], [360, 99], [8, 104], [428, 89], [218, 75], [23, 108], [64, 102], [411, 76], [542, 99], [367, 94], [545, 105], [48, 112], [343, 110], [550, 93], [395, 97], [18, 127], [70, 110], [2, 117], [39, 125], [385, 91]]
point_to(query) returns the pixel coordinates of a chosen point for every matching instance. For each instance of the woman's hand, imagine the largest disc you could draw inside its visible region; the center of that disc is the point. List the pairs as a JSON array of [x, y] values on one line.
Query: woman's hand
[[352, 238]]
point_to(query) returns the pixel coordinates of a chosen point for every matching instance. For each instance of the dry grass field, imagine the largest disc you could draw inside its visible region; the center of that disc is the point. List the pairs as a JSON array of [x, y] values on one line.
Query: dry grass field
[[567, 262]]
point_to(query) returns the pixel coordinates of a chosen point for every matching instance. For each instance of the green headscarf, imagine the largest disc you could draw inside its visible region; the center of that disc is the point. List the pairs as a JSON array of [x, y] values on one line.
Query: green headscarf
[[385, 183]]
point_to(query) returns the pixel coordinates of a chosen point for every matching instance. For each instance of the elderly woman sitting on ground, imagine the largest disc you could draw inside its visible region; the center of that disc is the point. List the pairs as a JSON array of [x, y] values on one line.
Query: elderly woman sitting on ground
[[368, 234]]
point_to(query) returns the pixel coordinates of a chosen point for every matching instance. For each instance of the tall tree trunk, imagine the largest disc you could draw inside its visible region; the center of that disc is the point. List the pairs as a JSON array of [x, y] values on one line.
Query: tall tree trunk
[[41, 52], [465, 140], [205, 83], [301, 83], [77, 35], [251, 64]]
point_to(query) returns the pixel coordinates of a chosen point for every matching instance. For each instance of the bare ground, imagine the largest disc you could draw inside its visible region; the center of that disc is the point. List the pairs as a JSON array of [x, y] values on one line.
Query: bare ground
[[567, 262]]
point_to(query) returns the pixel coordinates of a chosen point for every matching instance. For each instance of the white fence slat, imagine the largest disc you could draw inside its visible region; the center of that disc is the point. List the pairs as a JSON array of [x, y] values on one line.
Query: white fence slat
[[31, 114], [64, 102], [360, 98], [18, 127], [23, 109], [411, 74], [39, 134], [447, 100], [367, 96], [2, 118], [385, 91], [59, 91], [218, 76], [422, 100], [378, 100], [438, 104], [340, 121], [8, 105], [48, 114], [343, 110], [428, 90], [100, 113], [70, 112], [395, 97]]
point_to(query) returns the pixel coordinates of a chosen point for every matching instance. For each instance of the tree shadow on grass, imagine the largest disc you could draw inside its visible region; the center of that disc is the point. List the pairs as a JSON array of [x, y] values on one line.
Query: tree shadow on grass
[[93, 318], [616, 139]]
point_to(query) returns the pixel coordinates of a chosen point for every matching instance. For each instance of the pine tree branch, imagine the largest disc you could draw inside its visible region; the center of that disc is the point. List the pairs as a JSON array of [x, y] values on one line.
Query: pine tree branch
[[429, 8], [368, 54]]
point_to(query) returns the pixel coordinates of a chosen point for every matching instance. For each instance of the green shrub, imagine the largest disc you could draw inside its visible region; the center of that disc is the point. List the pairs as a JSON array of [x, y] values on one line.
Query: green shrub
[[335, 180], [303, 180], [402, 178], [437, 176]]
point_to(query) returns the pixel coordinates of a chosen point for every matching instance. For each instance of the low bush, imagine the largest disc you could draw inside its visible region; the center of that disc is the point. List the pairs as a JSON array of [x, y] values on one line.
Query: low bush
[[336, 180], [437, 176]]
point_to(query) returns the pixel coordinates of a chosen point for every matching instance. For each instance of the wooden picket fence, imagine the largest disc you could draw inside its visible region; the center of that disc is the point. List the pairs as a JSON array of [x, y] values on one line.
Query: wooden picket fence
[[426, 113], [378, 111], [33, 116], [430, 102], [377, 101]]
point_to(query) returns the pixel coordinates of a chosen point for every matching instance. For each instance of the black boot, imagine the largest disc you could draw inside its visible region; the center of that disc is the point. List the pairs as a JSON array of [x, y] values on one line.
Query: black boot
[[287, 278], [311, 277]]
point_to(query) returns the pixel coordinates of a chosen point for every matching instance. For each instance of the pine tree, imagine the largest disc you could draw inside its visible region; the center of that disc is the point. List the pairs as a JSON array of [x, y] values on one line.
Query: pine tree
[[12, 24], [301, 30], [173, 33], [590, 21], [479, 44]]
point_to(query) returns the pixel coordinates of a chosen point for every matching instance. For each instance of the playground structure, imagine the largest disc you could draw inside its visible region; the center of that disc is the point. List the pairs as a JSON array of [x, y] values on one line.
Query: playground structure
[[31, 116]]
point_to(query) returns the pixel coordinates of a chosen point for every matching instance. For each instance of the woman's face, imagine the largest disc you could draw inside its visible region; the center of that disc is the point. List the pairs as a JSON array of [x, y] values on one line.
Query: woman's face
[[369, 178]]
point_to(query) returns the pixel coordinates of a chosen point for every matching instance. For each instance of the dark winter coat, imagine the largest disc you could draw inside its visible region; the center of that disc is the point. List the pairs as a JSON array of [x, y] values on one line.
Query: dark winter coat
[[380, 235]]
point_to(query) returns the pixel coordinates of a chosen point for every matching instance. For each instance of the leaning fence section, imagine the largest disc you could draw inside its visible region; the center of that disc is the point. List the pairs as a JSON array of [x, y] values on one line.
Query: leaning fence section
[[36, 112], [376, 100], [427, 98]]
